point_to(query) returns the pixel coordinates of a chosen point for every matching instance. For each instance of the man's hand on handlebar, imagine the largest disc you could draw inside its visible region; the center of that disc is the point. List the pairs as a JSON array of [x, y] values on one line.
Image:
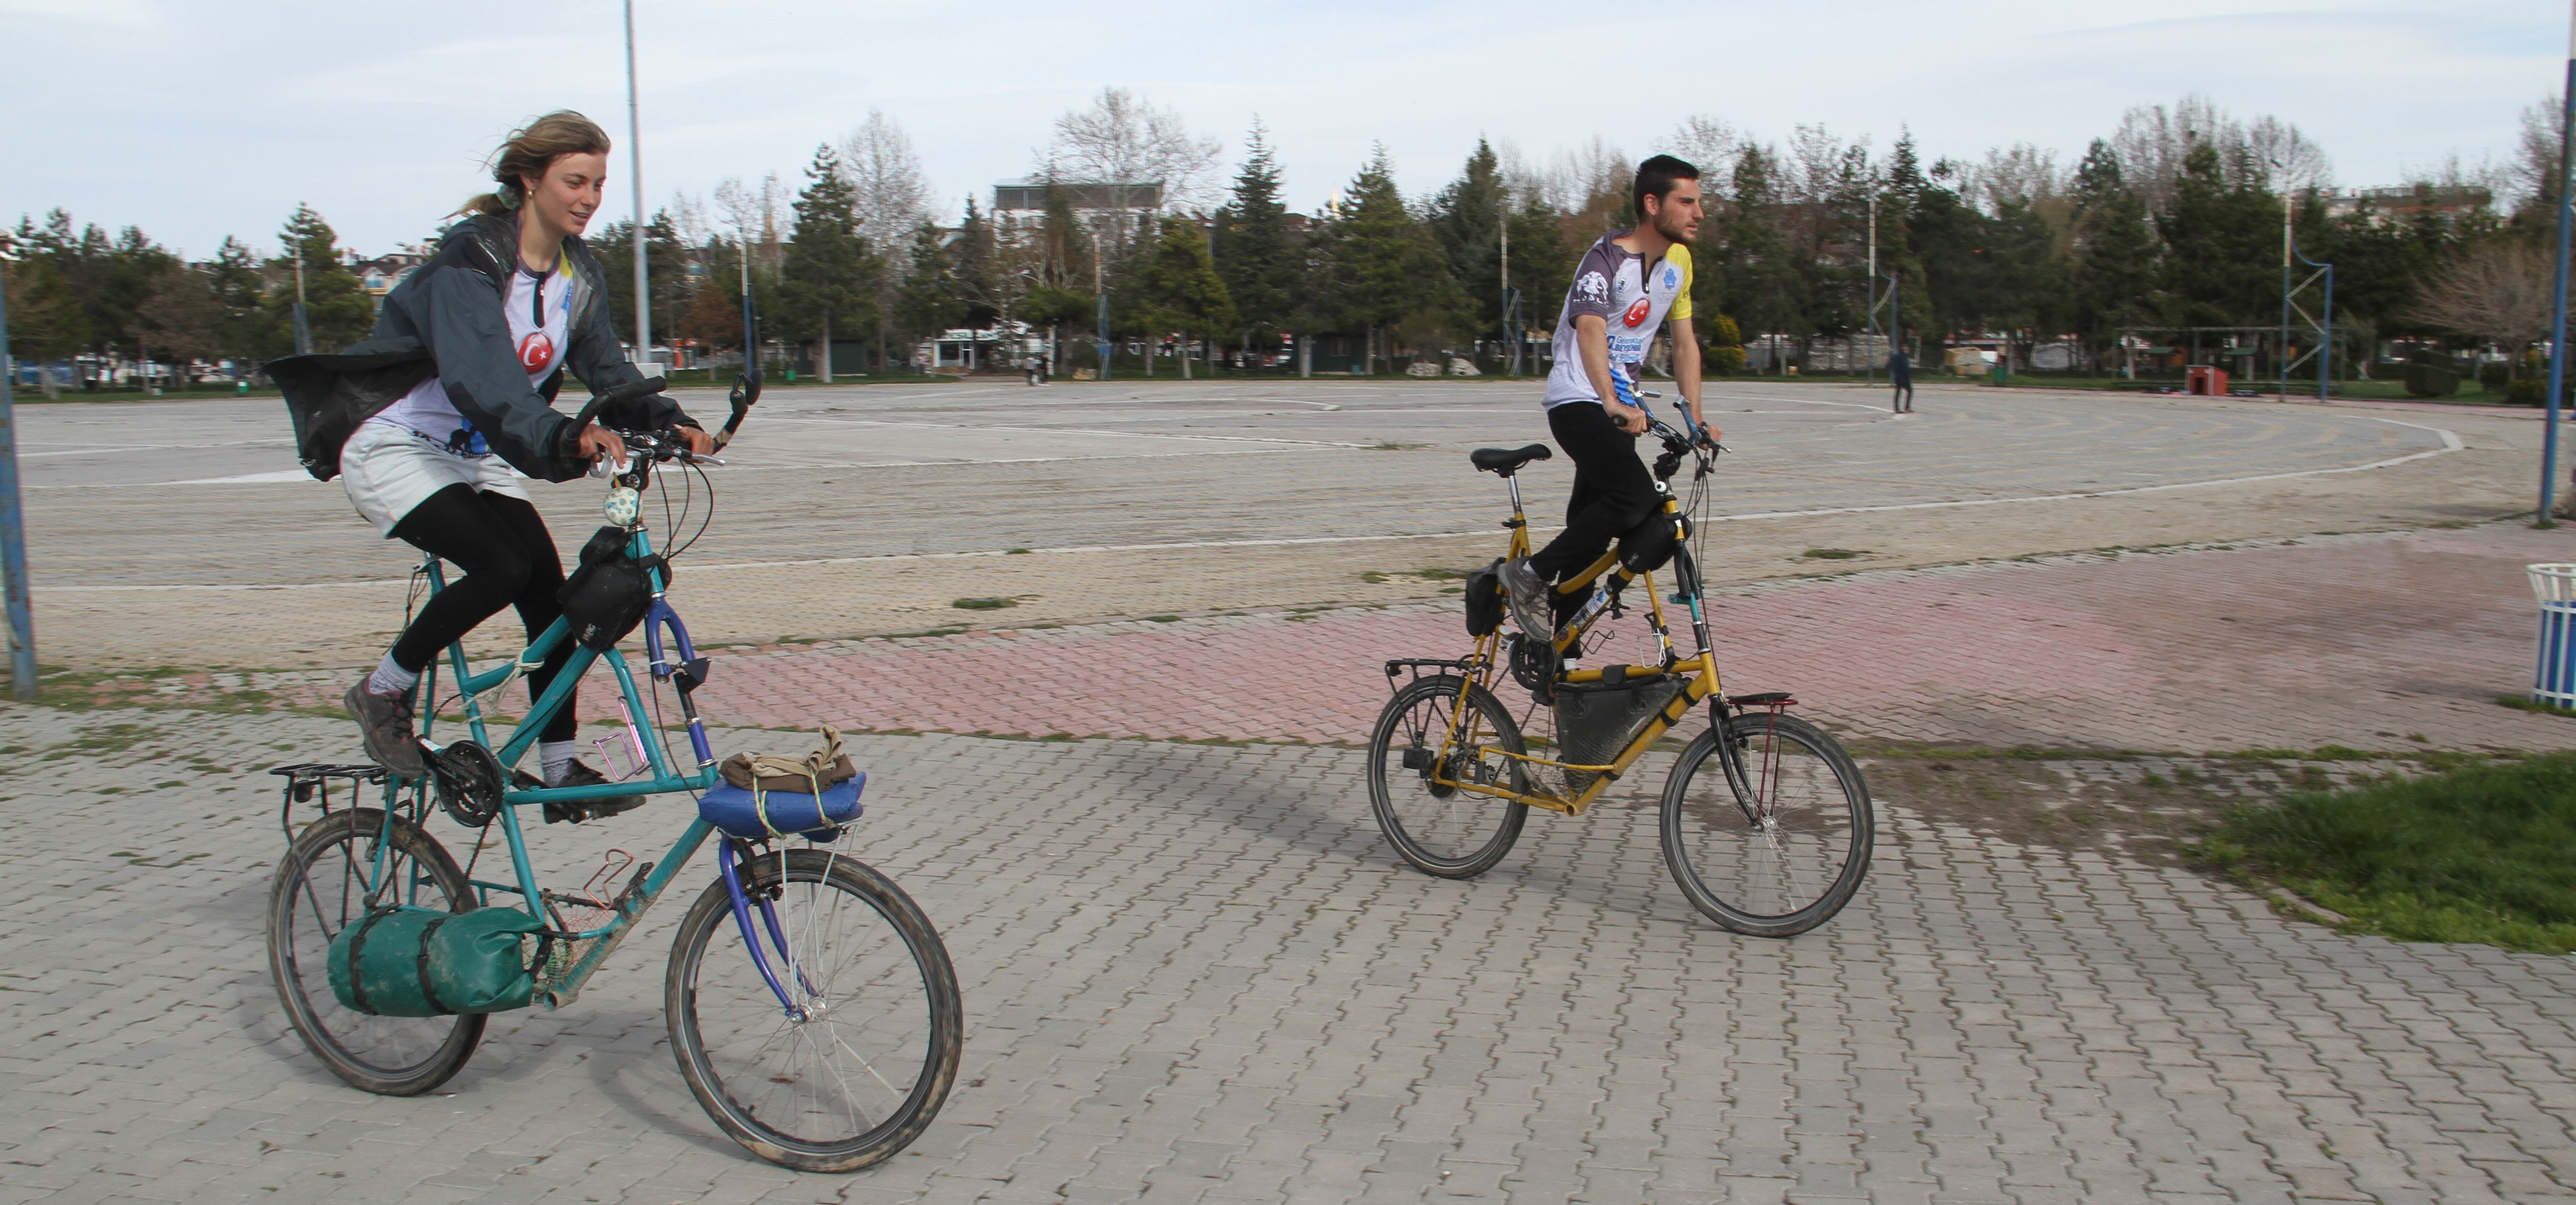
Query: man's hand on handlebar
[[700, 443], [1626, 417]]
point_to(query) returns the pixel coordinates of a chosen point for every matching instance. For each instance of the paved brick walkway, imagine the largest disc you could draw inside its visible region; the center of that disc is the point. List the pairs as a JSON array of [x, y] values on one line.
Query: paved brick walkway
[[1194, 974], [2365, 641]]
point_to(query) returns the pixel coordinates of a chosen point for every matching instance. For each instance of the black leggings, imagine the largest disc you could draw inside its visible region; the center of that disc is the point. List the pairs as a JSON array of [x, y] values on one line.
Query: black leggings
[[1612, 490], [508, 559]]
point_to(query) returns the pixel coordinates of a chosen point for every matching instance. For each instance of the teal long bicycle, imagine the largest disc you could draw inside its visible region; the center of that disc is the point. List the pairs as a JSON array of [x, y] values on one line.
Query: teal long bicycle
[[823, 1036]]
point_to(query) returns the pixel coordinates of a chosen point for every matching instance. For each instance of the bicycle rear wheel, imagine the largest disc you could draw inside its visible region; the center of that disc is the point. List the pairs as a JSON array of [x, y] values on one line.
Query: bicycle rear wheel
[[862, 1074], [1778, 847], [1438, 828], [321, 887]]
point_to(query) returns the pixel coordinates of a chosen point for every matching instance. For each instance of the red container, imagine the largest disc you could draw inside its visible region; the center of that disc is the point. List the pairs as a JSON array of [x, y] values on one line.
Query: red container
[[2205, 379]]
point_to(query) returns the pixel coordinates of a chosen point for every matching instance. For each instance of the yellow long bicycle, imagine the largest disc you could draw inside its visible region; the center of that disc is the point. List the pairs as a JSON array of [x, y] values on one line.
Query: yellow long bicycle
[[1766, 821]]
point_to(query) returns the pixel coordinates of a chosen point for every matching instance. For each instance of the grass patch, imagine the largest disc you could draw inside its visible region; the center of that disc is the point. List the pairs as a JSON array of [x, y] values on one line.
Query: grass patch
[[984, 604], [2520, 703], [1392, 446], [1015, 552], [2476, 854], [1834, 554]]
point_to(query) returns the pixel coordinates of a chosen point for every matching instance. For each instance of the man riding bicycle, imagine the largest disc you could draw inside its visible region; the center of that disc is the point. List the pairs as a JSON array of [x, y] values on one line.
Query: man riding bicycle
[[1627, 287], [453, 391]]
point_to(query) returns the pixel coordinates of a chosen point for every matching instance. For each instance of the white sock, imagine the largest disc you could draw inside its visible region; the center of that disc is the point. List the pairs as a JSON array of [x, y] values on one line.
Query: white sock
[[554, 758], [391, 679]]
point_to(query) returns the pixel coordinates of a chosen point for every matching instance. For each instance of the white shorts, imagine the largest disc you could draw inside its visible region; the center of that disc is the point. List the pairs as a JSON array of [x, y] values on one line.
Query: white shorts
[[390, 469]]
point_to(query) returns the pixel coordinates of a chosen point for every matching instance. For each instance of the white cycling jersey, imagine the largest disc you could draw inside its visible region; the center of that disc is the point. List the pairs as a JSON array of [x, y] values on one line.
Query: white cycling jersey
[[1634, 298]]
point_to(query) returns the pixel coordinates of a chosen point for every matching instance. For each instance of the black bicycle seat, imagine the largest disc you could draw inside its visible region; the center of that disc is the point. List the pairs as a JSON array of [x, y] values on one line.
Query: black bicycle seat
[[1507, 461]]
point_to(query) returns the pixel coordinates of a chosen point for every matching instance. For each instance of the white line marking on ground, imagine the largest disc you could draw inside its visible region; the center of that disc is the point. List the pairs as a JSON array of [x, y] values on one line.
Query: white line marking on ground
[[2450, 443]]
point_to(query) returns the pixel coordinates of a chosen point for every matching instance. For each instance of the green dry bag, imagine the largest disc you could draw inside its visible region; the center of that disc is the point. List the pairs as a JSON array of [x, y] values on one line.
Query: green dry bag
[[421, 962]]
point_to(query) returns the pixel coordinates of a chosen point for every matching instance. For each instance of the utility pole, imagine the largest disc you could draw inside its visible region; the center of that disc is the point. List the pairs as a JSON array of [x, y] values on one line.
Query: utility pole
[[1873, 287], [2281, 350], [1504, 229], [635, 163], [2558, 286], [303, 331], [13, 526]]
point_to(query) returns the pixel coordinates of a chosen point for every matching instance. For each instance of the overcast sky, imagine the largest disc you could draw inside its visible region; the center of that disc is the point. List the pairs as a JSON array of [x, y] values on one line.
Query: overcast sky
[[195, 119]]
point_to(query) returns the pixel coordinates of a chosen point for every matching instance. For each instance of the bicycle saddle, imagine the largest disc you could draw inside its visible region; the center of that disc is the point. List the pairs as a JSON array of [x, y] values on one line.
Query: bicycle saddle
[[1506, 461]]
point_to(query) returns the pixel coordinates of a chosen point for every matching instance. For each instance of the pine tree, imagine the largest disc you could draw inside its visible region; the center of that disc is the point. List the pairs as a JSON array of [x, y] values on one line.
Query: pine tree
[[929, 301], [1381, 268], [1173, 288], [978, 268], [2114, 251], [2223, 245], [1468, 217], [1543, 262], [337, 310], [1255, 252], [828, 278]]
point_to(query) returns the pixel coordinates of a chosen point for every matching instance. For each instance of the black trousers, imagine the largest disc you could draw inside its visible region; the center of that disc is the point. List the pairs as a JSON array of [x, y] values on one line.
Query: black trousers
[[508, 559], [1904, 394], [1613, 492]]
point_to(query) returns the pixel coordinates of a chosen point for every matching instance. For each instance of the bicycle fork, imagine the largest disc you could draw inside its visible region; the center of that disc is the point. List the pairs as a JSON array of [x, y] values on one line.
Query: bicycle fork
[[743, 906]]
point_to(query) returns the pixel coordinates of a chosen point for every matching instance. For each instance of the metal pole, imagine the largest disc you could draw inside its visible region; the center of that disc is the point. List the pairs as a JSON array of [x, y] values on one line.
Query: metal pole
[[13, 527], [2558, 287], [2281, 350], [635, 163], [2325, 350], [1872, 290]]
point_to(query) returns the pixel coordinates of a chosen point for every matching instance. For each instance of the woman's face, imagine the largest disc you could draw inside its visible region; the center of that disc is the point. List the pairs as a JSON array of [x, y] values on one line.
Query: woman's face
[[565, 199]]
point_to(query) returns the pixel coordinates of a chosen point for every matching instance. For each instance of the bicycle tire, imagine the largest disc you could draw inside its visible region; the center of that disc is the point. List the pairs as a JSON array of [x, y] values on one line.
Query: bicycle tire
[[347, 1041], [693, 986], [1456, 809], [1796, 872]]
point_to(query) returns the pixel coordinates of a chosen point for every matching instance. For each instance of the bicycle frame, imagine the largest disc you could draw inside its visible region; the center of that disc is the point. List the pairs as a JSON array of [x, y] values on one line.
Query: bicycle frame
[[592, 946], [1612, 577]]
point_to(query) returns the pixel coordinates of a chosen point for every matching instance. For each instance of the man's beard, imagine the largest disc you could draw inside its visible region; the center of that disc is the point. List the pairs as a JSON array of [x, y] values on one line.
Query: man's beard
[[1678, 232]]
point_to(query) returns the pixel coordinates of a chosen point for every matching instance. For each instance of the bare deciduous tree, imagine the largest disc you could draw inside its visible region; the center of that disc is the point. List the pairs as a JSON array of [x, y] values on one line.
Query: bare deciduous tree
[[2495, 288], [2535, 161], [1122, 138], [2153, 139], [753, 214], [893, 196]]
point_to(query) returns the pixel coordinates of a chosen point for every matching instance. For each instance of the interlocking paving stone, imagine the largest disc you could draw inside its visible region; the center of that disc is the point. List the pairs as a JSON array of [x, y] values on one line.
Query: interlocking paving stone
[[1195, 973]]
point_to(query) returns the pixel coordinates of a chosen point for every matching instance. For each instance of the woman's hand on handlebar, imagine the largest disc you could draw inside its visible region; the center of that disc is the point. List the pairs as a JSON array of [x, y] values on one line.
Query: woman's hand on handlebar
[[700, 443], [598, 442]]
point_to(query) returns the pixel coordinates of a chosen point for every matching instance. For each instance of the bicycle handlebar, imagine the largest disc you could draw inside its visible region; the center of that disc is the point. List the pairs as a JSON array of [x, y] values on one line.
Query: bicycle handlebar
[[628, 392]]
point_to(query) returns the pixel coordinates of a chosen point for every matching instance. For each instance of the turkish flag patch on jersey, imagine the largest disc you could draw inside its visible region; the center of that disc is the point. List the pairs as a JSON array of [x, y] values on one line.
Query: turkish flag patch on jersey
[[1637, 313], [537, 352]]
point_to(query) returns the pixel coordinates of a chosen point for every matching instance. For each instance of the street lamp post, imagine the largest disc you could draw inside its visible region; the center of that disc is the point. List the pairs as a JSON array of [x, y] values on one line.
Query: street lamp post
[[635, 163]]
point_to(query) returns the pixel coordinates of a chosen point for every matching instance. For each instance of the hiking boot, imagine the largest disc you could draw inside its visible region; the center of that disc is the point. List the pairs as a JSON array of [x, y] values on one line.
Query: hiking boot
[[384, 723], [1528, 593], [574, 811]]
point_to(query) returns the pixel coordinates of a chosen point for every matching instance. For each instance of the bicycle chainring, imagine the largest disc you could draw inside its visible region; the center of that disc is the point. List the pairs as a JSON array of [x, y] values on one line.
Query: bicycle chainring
[[1533, 665], [469, 782]]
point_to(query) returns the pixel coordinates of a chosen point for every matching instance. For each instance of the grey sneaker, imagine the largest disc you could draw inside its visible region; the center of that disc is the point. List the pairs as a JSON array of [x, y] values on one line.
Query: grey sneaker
[[384, 723], [1528, 593]]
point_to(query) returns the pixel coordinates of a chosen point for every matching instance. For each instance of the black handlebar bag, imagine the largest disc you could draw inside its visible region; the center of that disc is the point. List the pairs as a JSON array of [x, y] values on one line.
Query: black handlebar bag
[[607, 596]]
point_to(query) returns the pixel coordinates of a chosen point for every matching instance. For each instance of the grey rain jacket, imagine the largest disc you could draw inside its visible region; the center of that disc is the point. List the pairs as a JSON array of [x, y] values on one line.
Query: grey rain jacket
[[445, 318]]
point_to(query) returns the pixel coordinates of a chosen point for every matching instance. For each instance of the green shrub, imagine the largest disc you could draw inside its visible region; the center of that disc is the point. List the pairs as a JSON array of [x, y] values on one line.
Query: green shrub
[[2493, 377], [2424, 380], [1725, 354]]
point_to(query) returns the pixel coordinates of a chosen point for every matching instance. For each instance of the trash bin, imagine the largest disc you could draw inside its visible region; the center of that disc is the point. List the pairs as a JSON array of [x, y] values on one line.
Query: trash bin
[[2553, 675]]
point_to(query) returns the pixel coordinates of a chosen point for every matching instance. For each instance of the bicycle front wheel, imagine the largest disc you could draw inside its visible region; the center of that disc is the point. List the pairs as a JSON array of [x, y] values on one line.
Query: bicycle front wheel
[[862, 1071], [337, 868], [1438, 828], [1776, 845]]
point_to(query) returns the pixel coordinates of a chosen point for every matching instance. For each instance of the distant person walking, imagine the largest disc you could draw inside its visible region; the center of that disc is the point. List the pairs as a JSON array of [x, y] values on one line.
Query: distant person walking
[[1900, 370]]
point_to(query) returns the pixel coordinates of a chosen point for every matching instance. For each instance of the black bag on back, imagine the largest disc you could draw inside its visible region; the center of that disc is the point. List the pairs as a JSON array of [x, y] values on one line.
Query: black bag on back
[[328, 396], [1485, 599], [608, 594]]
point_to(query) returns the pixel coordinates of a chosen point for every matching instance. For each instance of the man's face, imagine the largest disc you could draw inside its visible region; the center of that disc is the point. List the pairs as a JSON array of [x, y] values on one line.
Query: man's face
[[1676, 215]]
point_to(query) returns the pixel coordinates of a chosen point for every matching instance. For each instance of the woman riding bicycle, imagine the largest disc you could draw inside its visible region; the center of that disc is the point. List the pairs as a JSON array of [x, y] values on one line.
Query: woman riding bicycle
[[510, 302]]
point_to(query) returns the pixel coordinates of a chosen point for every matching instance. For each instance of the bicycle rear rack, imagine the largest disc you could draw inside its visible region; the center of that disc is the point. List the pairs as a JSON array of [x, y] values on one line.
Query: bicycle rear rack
[[306, 780], [1397, 667]]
